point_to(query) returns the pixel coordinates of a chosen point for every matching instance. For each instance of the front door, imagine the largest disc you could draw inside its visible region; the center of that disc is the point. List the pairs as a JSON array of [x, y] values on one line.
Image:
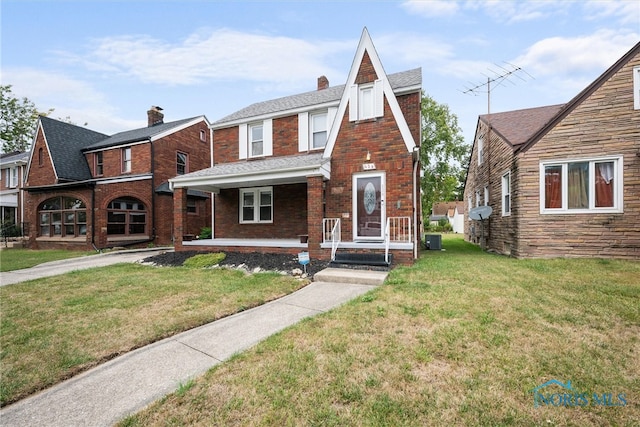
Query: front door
[[369, 206]]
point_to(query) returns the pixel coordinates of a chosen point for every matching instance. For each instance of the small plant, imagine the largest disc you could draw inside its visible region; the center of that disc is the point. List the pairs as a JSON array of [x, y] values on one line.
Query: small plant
[[204, 260], [205, 233]]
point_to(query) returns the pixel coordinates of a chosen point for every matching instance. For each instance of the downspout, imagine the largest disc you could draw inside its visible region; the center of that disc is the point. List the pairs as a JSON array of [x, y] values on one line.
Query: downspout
[[93, 218], [152, 237], [416, 195]]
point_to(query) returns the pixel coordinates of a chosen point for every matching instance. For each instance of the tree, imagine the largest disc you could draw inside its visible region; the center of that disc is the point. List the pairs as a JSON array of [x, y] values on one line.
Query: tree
[[443, 154], [18, 121]]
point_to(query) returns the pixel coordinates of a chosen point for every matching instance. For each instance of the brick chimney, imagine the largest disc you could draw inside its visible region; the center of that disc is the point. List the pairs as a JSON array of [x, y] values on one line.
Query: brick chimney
[[323, 82], [154, 115]]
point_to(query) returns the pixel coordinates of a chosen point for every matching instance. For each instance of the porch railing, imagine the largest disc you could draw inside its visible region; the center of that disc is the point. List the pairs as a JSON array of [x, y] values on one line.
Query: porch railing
[[399, 229], [328, 226], [387, 240]]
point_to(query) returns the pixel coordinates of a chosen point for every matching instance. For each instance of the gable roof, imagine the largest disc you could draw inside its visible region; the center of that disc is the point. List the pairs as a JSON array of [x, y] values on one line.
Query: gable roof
[[578, 99], [365, 46], [331, 95], [65, 142], [517, 127], [142, 134], [447, 208], [14, 158]]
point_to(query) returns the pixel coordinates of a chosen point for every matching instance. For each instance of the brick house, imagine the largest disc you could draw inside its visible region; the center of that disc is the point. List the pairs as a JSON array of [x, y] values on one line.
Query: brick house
[[563, 180], [12, 172], [85, 189], [453, 212], [334, 172]]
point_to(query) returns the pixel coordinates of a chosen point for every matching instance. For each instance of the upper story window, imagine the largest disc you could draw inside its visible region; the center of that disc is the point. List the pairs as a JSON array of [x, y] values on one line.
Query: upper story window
[[366, 101], [486, 196], [506, 194], [582, 186], [478, 201], [256, 205], [256, 139], [480, 150], [203, 136], [40, 156], [636, 88], [182, 163], [99, 163], [126, 160], [318, 131], [12, 177]]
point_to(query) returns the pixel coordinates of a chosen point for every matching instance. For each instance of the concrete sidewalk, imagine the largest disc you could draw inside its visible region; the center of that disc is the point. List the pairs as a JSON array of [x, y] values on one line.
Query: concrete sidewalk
[[125, 385], [54, 268]]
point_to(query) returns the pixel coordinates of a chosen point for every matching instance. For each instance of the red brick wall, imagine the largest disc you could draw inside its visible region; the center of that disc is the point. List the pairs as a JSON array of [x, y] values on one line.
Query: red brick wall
[[41, 174], [285, 136], [225, 143], [289, 215]]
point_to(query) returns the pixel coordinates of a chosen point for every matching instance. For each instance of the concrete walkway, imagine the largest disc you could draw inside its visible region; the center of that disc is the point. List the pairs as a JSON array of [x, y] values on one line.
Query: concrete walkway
[[108, 393], [54, 268]]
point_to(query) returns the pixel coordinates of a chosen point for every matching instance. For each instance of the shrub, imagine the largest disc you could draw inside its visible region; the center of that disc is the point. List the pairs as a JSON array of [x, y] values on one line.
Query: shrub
[[205, 233], [204, 260]]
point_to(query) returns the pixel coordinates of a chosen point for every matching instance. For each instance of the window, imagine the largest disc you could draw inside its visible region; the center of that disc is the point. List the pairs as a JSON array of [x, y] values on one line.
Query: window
[[203, 136], [12, 177], [366, 101], [192, 206], [478, 198], [40, 156], [318, 130], [256, 205], [583, 186], [636, 88], [486, 196], [256, 141], [506, 194], [126, 160], [181, 163], [126, 216], [99, 163], [480, 150], [62, 216]]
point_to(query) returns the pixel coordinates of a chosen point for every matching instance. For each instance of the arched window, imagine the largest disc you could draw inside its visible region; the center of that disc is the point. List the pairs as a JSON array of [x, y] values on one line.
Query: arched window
[[126, 216], [62, 216]]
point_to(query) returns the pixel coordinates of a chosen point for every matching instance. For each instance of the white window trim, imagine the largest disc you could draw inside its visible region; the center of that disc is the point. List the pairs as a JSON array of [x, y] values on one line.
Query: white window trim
[[506, 191], [636, 88], [256, 208], [127, 161], [480, 150], [618, 182], [486, 195], [12, 177], [355, 110], [311, 129], [477, 198], [244, 142]]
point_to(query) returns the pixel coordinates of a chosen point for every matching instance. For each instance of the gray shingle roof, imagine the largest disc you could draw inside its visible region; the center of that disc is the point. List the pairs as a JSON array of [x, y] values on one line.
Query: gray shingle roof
[[19, 156], [258, 166], [66, 142], [134, 135], [398, 81]]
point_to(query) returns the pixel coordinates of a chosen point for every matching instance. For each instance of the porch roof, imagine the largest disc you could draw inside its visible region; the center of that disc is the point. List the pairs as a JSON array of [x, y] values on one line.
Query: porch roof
[[256, 173]]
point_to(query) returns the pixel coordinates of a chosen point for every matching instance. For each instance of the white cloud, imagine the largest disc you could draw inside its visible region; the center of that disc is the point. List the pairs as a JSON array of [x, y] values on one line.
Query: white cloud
[[432, 8], [220, 54], [571, 56], [626, 11]]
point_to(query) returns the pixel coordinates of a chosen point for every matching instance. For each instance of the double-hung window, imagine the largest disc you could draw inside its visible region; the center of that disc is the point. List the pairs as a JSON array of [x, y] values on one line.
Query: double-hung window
[[506, 194], [256, 140], [99, 163], [480, 150], [126, 160], [12, 177], [318, 130], [182, 161], [581, 186], [366, 101], [256, 205], [636, 88]]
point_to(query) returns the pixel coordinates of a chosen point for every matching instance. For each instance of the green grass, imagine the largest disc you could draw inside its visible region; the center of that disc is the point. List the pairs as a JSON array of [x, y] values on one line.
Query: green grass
[[17, 259], [460, 338], [53, 328]]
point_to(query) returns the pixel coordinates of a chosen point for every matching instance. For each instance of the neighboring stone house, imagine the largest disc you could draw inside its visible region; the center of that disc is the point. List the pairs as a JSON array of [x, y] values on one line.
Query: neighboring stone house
[[88, 190], [12, 172], [563, 180], [334, 172]]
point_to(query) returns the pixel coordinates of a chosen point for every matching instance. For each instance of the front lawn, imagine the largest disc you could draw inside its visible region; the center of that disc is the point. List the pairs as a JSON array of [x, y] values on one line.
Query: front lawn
[[17, 259], [53, 328], [460, 338]]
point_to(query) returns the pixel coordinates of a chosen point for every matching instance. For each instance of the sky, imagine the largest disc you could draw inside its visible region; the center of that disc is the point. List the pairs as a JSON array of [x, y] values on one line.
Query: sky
[[103, 64]]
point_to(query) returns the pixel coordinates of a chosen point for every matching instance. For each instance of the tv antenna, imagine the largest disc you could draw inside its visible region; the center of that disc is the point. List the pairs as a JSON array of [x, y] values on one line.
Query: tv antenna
[[498, 78]]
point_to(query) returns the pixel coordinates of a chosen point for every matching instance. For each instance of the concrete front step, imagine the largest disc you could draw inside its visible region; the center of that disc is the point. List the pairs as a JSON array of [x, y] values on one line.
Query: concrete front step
[[347, 275]]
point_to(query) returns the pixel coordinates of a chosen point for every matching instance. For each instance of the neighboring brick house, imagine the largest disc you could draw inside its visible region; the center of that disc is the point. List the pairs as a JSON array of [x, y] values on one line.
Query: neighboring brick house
[[12, 172], [333, 171], [89, 190], [563, 180]]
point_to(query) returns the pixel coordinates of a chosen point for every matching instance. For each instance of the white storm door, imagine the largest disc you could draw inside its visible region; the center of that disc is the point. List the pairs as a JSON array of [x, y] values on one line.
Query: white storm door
[[369, 206]]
